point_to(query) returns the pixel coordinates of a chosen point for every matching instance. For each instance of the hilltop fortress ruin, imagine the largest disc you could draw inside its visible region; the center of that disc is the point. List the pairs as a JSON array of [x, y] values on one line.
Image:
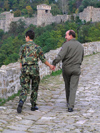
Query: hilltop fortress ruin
[[9, 75], [44, 17]]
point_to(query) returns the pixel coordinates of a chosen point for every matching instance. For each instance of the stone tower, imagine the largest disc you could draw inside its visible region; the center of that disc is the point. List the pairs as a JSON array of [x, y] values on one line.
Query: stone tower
[[5, 20], [43, 15]]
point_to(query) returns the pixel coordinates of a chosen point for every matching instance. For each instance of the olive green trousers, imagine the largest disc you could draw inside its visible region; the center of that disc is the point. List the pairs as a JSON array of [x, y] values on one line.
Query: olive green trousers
[[71, 78]]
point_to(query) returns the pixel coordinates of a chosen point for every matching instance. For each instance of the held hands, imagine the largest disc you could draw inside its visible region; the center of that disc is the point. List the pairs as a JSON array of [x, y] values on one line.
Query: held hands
[[52, 67]]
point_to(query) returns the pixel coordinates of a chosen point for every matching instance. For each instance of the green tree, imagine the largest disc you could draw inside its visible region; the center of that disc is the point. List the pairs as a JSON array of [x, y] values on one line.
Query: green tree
[[51, 1], [85, 3], [57, 35], [46, 2], [11, 59], [17, 13], [63, 5], [20, 26], [29, 10], [81, 8], [24, 11], [21, 4], [42, 39], [2, 57], [1, 33], [6, 5], [93, 34], [16, 44], [13, 28], [72, 6], [55, 10], [50, 44], [82, 33], [15, 5]]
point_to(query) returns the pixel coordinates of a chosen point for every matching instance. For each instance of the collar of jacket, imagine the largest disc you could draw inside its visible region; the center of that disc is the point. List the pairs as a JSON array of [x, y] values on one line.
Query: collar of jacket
[[73, 39], [30, 42]]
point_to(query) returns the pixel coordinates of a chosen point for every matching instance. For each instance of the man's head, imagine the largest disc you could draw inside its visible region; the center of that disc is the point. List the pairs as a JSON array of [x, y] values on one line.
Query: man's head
[[70, 34], [29, 36]]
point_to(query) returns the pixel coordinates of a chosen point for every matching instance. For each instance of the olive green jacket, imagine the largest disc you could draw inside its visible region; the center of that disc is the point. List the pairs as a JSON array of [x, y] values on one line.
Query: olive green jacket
[[71, 53]]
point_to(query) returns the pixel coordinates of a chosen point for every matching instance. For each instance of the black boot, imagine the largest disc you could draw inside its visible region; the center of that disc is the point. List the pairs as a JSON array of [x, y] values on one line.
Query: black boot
[[20, 105], [34, 108], [70, 109]]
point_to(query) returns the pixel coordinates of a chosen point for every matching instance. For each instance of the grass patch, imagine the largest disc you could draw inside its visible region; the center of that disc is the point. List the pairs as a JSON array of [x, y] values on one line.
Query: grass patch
[[3, 101], [56, 72], [52, 74]]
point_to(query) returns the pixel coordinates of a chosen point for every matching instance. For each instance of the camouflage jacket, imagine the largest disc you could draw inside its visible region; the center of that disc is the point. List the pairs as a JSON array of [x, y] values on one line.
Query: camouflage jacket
[[29, 54]]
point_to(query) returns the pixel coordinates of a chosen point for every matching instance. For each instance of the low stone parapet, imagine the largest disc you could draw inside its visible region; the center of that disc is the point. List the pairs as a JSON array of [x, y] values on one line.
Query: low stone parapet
[[9, 75], [91, 48]]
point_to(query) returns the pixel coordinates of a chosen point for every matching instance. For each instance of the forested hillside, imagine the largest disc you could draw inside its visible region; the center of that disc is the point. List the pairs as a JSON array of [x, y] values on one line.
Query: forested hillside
[[49, 37]]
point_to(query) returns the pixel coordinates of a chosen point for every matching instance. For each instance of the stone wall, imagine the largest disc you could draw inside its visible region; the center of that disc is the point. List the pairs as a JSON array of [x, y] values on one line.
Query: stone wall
[[90, 14], [91, 48], [9, 80], [96, 15], [86, 14], [31, 21], [60, 18], [28, 21], [5, 19], [44, 17], [9, 75]]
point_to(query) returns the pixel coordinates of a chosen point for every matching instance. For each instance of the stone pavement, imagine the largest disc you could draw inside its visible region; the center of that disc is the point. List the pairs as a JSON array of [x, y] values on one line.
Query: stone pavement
[[52, 116]]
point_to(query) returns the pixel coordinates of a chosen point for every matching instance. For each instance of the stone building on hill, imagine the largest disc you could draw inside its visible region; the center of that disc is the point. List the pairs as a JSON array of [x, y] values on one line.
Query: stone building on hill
[[44, 17], [5, 19], [90, 14], [43, 14]]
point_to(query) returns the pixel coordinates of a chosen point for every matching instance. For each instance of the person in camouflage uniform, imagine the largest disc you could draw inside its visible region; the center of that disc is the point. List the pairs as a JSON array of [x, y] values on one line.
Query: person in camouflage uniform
[[29, 55]]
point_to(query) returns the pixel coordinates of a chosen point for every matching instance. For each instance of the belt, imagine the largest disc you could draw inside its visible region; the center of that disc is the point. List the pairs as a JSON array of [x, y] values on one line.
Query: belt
[[29, 64]]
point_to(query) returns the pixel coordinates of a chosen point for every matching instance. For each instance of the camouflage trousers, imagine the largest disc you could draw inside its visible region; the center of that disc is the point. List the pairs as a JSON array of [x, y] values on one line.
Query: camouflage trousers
[[29, 73]]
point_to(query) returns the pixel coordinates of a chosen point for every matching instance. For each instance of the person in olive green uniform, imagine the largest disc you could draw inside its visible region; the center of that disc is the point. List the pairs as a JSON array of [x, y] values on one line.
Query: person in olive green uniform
[[29, 55], [71, 54]]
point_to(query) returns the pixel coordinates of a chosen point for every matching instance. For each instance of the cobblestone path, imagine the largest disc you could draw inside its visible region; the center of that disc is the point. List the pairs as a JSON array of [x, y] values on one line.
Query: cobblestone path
[[52, 116]]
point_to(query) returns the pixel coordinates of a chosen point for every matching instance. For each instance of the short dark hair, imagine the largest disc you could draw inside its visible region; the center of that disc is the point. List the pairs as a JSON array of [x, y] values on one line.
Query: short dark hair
[[72, 32], [30, 33]]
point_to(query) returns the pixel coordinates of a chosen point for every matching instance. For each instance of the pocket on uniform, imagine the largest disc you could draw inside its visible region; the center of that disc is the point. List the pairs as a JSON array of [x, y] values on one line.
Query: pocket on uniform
[[24, 69], [34, 70]]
